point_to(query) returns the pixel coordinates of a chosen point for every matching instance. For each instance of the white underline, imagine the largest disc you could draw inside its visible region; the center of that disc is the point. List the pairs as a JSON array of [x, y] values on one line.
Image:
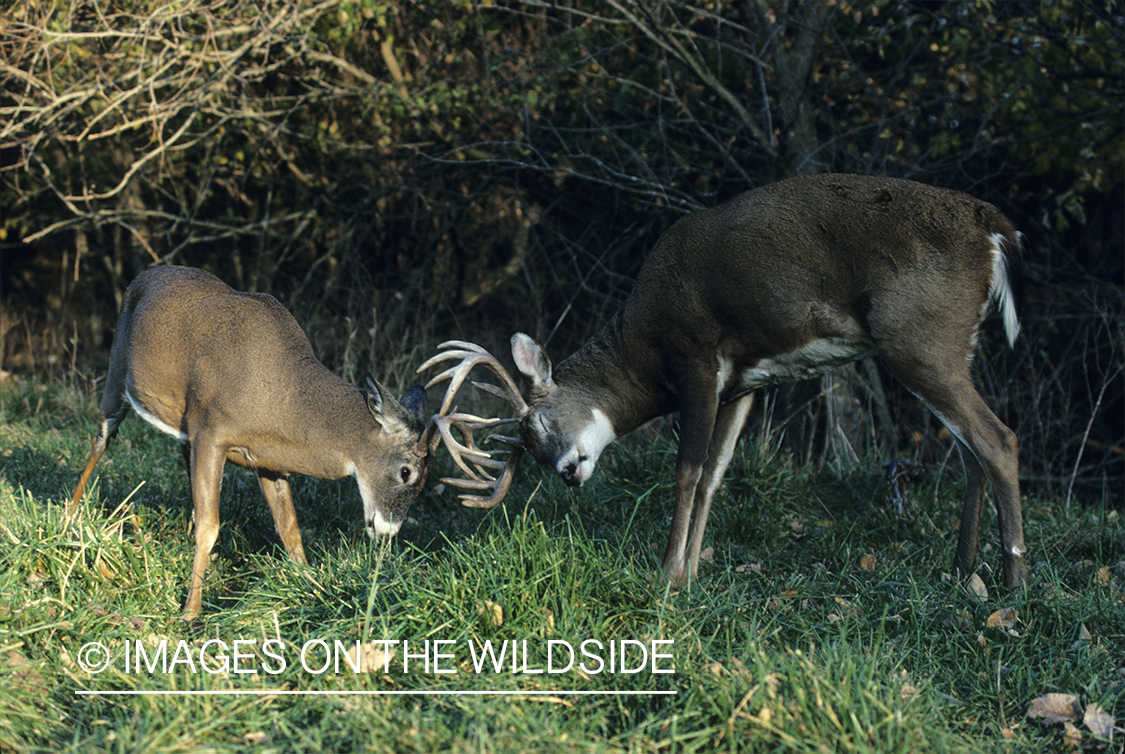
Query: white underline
[[292, 692]]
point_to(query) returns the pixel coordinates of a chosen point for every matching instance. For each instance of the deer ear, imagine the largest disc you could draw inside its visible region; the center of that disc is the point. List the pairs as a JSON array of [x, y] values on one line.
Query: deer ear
[[531, 361], [375, 399], [391, 414], [414, 401]]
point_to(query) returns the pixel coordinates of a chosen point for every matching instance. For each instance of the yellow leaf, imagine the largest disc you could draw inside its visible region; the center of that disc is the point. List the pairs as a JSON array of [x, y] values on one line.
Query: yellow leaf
[[1055, 708], [977, 588], [1072, 735], [495, 613], [372, 658], [1004, 619]]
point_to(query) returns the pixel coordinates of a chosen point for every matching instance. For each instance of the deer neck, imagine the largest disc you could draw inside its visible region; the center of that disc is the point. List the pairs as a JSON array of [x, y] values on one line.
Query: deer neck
[[315, 425], [615, 372]]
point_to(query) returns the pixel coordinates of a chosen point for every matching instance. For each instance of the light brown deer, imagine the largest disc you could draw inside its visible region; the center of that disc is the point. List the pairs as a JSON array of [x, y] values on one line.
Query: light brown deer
[[232, 377], [781, 283]]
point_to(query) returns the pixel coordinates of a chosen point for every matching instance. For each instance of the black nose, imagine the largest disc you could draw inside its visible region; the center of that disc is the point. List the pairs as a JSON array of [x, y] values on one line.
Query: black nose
[[570, 474]]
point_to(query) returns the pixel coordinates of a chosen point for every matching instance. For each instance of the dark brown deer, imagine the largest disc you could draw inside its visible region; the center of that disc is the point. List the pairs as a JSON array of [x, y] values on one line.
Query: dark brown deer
[[782, 283], [232, 377]]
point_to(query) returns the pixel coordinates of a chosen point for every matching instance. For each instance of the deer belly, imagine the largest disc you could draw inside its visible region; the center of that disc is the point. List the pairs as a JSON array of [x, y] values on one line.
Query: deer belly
[[808, 361]]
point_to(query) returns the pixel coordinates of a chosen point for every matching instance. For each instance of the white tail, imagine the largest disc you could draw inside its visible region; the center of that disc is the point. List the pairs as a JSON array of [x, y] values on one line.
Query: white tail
[[232, 376], [779, 284]]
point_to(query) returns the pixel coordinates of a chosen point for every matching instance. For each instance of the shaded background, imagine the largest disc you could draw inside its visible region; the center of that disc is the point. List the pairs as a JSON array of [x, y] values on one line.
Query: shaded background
[[401, 172]]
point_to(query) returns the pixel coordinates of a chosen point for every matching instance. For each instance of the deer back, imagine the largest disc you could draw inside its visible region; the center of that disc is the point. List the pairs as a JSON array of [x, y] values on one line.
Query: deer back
[[851, 260]]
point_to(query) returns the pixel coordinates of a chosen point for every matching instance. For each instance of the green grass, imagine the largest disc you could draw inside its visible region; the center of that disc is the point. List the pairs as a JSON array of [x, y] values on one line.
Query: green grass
[[786, 642]]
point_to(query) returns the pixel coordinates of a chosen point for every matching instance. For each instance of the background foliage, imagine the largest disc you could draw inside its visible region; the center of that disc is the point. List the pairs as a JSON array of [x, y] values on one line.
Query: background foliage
[[400, 172]]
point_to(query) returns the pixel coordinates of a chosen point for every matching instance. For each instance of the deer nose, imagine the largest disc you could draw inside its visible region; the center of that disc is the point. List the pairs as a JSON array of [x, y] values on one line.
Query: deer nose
[[570, 473]]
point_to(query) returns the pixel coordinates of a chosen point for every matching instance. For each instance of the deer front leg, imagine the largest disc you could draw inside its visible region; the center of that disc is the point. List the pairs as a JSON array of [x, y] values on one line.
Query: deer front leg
[[206, 480], [280, 499], [724, 441], [698, 406]]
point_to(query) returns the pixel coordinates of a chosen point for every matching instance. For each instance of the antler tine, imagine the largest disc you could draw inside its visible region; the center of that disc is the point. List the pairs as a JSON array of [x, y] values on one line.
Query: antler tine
[[472, 355], [499, 486], [475, 463], [466, 424]]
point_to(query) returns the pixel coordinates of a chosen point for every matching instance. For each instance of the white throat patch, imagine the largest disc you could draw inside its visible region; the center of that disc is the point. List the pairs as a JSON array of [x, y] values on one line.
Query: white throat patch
[[373, 518], [588, 446]]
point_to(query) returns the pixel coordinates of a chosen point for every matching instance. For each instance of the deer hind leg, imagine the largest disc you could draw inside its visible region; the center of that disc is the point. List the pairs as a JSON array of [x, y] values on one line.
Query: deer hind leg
[[969, 536], [280, 498], [729, 423], [206, 481], [990, 451]]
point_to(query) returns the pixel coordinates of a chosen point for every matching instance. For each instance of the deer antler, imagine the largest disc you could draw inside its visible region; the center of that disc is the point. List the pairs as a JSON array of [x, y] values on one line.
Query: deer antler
[[467, 452]]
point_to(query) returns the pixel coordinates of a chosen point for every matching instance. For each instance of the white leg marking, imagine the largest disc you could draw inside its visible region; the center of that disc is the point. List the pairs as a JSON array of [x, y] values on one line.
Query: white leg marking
[[726, 366], [726, 452]]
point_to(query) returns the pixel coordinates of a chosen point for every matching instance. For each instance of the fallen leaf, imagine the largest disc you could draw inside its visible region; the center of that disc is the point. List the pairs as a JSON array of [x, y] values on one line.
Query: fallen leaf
[[255, 737], [1084, 638], [867, 562], [106, 572], [1055, 708], [495, 613], [850, 608], [1004, 621], [550, 618], [1103, 575], [1098, 721], [372, 657], [977, 588], [708, 555], [1072, 735], [773, 681]]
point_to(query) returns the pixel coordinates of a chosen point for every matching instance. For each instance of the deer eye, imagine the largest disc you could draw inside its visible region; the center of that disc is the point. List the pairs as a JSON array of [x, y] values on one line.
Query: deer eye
[[405, 474]]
